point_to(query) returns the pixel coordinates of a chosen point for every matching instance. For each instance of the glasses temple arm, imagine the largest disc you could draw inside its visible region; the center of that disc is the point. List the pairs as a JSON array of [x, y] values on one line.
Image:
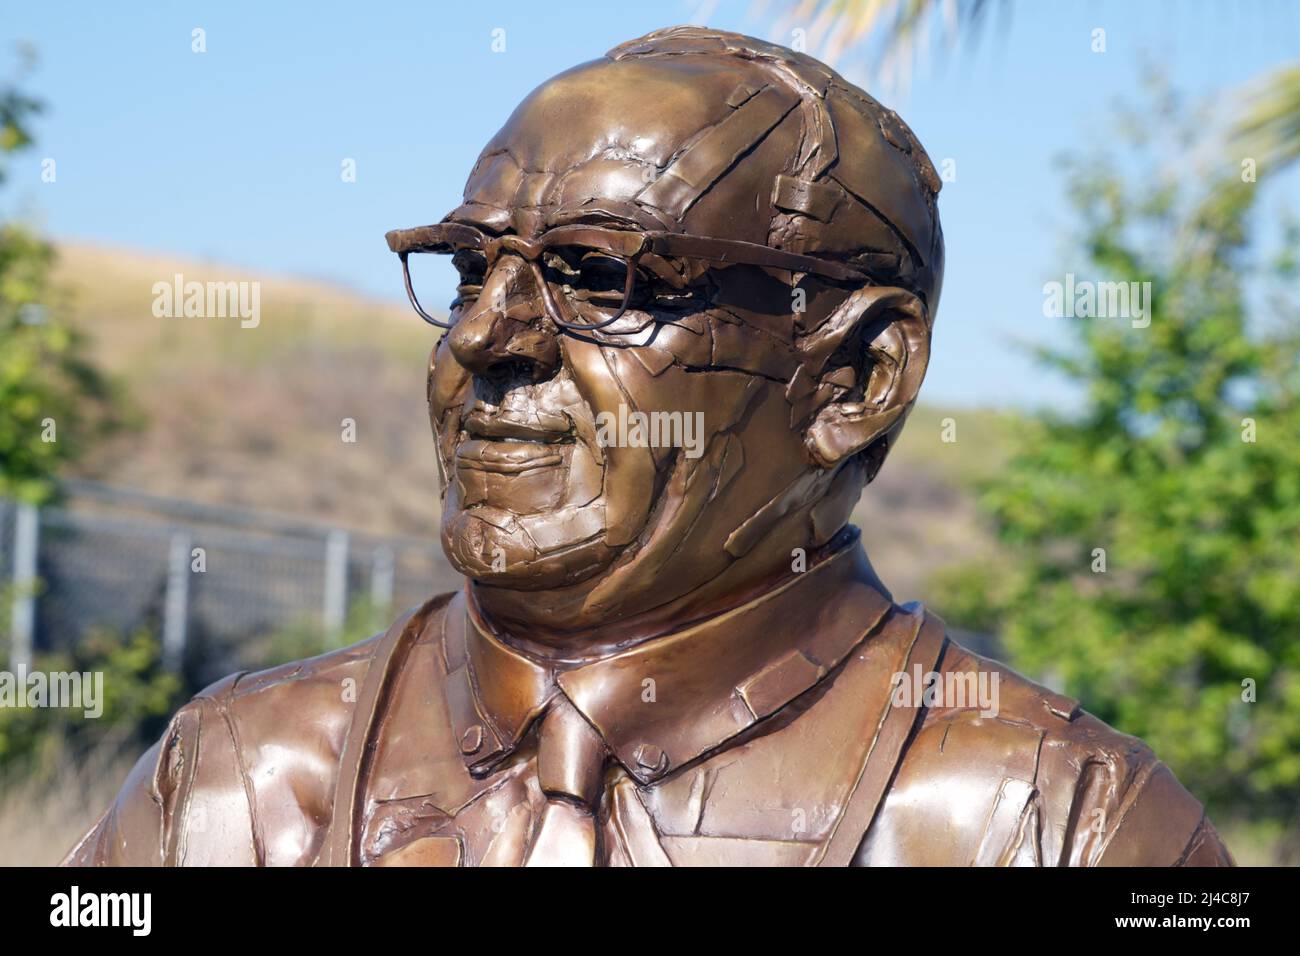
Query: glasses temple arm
[[410, 294], [738, 252]]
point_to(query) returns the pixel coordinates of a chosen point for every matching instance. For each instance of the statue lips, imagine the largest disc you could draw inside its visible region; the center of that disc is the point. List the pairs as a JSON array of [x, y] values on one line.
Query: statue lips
[[506, 445], [506, 457], [540, 427]]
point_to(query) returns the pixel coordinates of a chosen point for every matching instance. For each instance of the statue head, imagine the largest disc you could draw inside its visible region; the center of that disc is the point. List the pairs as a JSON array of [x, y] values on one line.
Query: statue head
[[697, 280]]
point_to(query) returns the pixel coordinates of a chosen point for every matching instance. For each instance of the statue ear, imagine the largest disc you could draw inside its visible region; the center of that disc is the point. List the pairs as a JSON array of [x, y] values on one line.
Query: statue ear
[[859, 403]]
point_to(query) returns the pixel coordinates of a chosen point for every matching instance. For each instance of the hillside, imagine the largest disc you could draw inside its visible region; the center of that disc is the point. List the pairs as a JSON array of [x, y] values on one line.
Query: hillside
[[252, 416]]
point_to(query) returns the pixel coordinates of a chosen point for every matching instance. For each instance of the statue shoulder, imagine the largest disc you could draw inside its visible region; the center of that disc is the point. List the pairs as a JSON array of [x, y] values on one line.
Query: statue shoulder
[[1016, 774], [270, 739]]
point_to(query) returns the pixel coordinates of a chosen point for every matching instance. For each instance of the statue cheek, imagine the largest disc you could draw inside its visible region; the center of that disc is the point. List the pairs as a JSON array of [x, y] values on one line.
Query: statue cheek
[[449, 388], [601, 376], [449, 384]]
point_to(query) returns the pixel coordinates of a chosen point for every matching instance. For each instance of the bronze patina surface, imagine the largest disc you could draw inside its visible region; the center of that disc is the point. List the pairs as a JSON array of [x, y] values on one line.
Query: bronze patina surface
[[698, 280]]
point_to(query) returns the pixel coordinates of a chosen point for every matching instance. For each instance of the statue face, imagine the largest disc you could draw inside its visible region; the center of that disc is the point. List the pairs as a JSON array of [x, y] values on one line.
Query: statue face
[[567, 452], [615, 430]]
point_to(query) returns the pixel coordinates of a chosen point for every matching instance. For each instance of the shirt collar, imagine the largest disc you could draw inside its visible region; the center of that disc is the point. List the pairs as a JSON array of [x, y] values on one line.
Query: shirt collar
[[663, 703]]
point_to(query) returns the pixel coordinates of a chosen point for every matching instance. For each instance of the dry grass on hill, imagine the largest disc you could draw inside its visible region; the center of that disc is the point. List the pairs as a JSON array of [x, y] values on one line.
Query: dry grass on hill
[[252, 416]]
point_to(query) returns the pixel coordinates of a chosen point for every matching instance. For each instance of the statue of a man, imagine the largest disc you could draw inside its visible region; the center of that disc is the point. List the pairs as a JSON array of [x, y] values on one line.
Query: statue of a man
[[697, 282]]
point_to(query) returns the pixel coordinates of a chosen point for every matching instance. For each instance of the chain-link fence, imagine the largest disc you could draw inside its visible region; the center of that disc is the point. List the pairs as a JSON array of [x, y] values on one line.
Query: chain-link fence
[[216, 585]]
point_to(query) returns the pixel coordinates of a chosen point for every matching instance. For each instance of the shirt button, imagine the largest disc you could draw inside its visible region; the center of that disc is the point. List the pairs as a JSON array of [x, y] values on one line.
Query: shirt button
[[471, 742], [651, 759]]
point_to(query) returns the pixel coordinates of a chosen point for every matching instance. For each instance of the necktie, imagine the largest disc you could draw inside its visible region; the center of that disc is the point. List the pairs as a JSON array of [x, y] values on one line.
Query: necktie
[[570, 768]]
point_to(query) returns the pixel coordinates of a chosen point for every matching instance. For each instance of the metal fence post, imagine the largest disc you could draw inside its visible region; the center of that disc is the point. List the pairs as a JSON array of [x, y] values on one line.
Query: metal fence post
[[177, 602], [27, 532], [381, 583], [336, 584]]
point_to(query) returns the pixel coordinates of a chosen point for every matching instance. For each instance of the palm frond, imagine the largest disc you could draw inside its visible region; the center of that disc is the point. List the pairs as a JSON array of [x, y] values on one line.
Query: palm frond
[[1269, 131], [891, 35]]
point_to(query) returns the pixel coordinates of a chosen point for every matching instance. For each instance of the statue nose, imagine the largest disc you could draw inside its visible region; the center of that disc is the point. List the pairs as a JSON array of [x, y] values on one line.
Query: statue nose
[[506, 324]]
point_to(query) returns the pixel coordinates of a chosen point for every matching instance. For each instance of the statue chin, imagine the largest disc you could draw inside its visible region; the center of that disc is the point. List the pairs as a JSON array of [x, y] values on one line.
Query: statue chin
[[487, 549]]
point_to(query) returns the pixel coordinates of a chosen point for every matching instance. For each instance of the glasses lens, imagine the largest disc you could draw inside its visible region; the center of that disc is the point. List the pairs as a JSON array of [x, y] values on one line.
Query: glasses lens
[[446, 282], [592, 282]]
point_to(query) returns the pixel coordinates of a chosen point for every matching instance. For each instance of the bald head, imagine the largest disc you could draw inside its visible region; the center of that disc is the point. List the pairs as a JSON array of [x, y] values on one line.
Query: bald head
[[716, 134]]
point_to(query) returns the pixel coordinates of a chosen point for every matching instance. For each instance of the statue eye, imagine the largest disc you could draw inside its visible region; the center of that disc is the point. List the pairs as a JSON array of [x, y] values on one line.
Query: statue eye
[[471, 266], [602, 275], [588, 274], [471, 272]]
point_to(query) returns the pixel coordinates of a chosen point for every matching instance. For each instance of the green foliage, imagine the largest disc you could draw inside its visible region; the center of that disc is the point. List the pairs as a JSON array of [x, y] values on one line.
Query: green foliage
[[138, 696], [17, 110], [1199, 524], [52, 402], [305, 639], [51, 399]]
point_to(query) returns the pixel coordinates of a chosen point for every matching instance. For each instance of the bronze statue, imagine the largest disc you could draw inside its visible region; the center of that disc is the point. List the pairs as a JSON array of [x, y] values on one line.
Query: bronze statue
[[698, 279]]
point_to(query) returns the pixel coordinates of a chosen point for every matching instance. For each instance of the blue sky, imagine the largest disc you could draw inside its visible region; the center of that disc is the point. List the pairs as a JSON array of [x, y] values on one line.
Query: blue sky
[[234, 155]]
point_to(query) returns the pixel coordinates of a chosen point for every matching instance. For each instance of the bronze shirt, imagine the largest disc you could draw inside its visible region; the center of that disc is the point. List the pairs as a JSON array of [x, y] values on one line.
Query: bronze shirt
[[763, 736]]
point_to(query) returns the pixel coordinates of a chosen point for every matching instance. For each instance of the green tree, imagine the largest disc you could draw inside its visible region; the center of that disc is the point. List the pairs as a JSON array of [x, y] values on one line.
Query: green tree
[[52, 401], [138, 695], [1181, 470]]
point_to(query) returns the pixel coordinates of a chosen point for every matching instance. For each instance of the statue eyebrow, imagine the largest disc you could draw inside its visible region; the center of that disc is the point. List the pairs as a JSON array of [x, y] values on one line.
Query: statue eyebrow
[[476, 223], [584, 217], [593, 217], [466, 214]]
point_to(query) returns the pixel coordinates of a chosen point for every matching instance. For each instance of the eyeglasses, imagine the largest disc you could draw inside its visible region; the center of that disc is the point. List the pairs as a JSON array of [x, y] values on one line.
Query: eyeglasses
[[587, 275]]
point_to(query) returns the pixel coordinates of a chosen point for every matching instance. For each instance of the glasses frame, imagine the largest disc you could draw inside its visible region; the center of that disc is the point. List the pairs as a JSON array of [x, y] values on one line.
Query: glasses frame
[[625, 244]]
